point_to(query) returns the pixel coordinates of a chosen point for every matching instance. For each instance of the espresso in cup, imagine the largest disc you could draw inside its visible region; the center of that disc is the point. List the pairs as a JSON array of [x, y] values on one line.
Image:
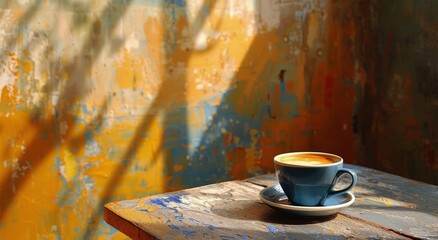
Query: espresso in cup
[[308, 178], [306, 159]]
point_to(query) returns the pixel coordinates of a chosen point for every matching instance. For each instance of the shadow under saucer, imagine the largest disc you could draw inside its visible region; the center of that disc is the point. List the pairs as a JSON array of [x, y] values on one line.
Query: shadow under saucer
[[274, 197], [254, 210]]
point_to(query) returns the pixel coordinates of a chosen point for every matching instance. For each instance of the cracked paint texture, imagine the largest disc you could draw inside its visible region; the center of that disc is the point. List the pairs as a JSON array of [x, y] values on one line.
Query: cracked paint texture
[[112, 100]]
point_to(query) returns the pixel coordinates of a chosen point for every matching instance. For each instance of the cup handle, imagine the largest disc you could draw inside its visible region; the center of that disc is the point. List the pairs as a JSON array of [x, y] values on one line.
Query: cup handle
[[340, 172]]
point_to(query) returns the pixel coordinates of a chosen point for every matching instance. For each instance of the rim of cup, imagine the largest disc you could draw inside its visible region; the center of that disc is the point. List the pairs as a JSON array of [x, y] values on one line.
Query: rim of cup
[[331, 155]]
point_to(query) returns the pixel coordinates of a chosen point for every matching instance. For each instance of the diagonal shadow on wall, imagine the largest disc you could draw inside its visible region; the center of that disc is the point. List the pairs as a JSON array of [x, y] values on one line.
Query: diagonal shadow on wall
[[74, 90], [249, 102], [172, 108], [202, 167]]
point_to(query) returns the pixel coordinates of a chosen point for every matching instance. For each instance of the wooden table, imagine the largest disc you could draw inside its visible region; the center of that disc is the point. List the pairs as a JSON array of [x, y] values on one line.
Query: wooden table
[[386, 206]]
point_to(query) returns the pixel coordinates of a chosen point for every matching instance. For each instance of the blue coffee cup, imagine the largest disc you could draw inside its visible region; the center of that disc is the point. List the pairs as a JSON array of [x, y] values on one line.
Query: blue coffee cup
[[309, 178]]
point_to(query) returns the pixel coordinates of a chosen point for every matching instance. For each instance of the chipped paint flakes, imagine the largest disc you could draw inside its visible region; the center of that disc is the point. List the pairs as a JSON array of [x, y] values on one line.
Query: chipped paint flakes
[[132, 43], [167, 200], [9, 75], [186, 232], [274, 229], [69, 168]]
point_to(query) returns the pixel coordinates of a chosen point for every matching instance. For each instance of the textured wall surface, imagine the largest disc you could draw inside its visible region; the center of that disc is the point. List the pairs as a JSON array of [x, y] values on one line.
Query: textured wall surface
[[398, 109], [115, 99]]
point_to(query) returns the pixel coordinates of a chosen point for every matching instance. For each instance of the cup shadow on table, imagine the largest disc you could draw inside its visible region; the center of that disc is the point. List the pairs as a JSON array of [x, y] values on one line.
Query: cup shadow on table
[[256, 210]]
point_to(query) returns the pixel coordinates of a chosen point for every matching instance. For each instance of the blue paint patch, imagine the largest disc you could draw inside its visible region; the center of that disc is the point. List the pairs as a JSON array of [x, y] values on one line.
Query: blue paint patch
[[159, 202], [139, 167], [194, 220], [92, 148], [88, 137], [84, 109], [179, 217], [90, 183], [57, 163], [187, 233], [274, 230], [177, 3], [211, 227], [207, 157], [289, 101], [143, 210], [205, 11], [226, 237], [69, 202], [165, 200]]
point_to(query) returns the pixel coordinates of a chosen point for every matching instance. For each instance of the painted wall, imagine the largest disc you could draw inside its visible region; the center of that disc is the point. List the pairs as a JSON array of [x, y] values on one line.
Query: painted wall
[[396, 123], [116, 99]]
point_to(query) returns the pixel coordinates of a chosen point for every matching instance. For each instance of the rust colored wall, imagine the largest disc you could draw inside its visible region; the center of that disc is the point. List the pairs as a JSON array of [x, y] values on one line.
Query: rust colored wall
[[398, 108], [108, 100]]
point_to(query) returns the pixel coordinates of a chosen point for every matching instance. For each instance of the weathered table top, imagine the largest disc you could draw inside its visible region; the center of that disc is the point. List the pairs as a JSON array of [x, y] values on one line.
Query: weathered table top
[[386, 206]]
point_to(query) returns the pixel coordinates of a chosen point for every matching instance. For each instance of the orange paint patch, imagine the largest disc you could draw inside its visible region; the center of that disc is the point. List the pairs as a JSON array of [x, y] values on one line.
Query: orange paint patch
[[27, 67], [238, 169], [177, 168]]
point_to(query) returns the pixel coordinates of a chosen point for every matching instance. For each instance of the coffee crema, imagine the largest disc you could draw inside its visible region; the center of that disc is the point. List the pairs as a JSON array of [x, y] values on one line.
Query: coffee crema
[[307, 159]]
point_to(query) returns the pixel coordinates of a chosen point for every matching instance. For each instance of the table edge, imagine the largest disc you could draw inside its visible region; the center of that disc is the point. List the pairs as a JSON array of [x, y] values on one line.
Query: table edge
[[127, 228]]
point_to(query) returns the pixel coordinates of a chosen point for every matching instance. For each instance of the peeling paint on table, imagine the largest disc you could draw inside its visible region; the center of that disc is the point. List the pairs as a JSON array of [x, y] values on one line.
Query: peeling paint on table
[[233, 210]]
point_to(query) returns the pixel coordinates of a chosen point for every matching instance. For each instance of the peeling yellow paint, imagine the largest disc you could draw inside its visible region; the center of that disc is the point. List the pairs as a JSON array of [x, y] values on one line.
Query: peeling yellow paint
[[70, 165], [128, 72], [105, 85], [144, 206]]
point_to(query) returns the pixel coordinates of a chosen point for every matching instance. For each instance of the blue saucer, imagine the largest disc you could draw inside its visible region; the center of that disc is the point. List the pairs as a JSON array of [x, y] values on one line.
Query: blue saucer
[[274, 197]]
